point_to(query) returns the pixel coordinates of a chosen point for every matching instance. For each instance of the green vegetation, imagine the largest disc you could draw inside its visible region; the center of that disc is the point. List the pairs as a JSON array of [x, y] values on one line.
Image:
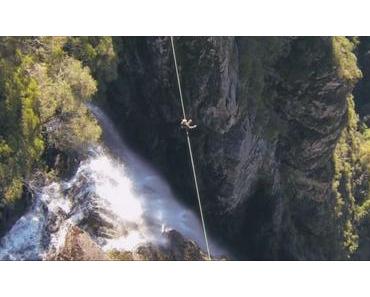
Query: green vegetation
[[258, 57], [120, 255], [345, 158], [45, 83], [43, 90], [351, 182], [345, 59], [20, 136], [98, 53]]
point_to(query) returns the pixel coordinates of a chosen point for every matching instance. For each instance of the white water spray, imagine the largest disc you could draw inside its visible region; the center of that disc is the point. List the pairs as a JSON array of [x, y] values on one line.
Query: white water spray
[[118, 190]]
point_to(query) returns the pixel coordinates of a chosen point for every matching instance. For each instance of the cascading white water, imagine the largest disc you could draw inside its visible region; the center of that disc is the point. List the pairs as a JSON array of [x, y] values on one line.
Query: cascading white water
[[114, 187]]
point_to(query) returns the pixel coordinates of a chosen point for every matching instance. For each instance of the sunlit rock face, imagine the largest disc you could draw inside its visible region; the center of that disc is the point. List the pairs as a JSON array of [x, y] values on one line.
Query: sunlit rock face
[[115, 201], [176, 248], [78, 246]]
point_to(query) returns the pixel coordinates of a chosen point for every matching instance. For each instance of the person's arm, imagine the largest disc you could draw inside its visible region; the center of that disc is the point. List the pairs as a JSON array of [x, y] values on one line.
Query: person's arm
[[183, 124]]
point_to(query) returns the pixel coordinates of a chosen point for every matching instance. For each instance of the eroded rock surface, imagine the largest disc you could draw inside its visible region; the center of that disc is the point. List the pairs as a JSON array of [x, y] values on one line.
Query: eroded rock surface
[[269, 112], [78, 246], [177, 248]]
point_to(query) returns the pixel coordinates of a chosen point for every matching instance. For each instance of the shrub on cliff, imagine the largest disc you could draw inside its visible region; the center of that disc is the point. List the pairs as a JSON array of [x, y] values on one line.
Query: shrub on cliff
[[345, 59], [42, 95], [98, 53], [352, 178]]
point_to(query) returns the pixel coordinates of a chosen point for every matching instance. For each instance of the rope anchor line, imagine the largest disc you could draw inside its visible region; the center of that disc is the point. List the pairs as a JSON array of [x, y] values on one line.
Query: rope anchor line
[[190, 150]]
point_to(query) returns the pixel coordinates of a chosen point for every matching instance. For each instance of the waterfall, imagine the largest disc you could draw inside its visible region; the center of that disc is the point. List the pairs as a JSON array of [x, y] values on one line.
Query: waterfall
[[115, 195]]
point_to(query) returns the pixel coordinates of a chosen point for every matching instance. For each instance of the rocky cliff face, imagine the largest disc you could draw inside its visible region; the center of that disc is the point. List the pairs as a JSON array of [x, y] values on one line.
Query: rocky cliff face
[[270, 112]]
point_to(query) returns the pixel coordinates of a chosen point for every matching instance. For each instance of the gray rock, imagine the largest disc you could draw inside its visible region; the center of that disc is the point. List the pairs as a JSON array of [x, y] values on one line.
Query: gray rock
[[269, 112]]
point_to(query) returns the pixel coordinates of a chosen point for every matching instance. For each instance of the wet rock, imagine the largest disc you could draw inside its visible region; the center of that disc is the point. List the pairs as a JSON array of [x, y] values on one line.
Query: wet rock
[[78, 246], [177, 248], [65, 164], [90, 213]]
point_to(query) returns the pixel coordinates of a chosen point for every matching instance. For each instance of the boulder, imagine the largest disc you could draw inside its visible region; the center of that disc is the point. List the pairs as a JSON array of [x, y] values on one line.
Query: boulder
[[78, 246]]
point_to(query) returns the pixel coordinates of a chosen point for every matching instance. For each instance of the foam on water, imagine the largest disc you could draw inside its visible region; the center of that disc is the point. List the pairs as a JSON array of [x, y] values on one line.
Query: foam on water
[[113, 185], [161, 208], [25, 240], [121, 187]]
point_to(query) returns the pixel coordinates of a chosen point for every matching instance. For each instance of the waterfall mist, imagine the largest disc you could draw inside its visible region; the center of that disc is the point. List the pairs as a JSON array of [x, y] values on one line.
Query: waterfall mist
[[117, 197]]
